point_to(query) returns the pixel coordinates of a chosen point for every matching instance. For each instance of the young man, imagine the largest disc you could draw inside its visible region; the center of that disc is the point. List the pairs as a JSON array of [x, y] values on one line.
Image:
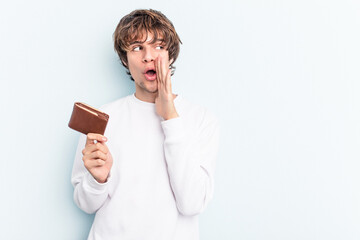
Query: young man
[[152, 174]]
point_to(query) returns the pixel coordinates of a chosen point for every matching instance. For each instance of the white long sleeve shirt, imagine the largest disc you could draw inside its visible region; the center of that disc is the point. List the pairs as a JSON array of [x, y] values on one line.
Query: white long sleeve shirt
[[162, 173]]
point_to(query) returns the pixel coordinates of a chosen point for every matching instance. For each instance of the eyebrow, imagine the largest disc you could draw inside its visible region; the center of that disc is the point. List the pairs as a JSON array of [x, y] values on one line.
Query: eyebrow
[[141, 42], [135, 42]]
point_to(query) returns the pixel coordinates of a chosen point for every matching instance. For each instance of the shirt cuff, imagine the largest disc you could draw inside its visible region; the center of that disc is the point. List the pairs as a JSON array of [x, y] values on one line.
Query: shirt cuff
[[91, 185]]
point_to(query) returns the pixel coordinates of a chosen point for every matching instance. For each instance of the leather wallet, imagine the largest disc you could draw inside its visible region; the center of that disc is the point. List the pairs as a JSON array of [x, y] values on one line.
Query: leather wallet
[[87, 119]]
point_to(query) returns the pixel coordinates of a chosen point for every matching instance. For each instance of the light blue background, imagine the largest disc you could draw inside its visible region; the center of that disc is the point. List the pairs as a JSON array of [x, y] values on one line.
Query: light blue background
[[282, 76]]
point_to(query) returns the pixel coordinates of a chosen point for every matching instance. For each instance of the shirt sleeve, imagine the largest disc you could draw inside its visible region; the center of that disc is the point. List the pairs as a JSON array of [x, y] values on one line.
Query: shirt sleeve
[[191, 159], [89, 195]]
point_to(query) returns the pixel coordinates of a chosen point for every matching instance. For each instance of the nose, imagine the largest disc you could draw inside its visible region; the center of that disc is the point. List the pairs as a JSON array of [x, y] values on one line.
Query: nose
[[148, 55]]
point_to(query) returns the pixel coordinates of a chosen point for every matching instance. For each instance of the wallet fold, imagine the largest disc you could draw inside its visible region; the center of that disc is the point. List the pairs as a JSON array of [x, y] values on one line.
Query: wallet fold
[[86, 119]]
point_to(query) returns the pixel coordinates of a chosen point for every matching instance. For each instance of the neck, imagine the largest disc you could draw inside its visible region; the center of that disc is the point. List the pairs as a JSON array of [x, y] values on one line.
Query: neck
[[150, 97], [144, 94]]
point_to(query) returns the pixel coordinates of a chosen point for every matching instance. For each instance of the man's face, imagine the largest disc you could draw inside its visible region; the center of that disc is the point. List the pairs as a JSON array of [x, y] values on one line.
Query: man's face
[[141, 63]]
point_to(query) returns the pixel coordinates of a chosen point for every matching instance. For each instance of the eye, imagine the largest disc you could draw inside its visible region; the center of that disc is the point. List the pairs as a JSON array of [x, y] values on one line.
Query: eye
[[136, 49], [159, 47]]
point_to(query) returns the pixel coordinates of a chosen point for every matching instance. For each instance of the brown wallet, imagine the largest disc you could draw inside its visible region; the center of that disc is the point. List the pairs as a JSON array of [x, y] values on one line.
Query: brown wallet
[[87, 119]]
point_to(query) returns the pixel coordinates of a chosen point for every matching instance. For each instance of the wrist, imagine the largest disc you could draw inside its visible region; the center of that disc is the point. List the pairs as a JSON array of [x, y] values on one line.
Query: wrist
[[171, 116], [101, 180]]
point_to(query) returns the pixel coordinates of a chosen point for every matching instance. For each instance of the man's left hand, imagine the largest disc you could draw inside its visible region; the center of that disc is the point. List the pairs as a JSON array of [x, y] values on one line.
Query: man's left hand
[[164, 101]]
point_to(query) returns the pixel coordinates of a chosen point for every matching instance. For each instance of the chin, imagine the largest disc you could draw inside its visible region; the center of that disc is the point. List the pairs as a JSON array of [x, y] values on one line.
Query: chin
[[151, 89]]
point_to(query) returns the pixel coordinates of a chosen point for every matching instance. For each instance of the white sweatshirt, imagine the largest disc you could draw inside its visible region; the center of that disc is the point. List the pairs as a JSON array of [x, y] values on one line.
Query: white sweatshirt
[[162, 174]]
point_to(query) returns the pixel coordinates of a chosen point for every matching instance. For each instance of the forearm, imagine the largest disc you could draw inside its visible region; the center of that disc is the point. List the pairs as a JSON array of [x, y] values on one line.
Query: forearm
[[89, 195], [191, 164], [191, 184]]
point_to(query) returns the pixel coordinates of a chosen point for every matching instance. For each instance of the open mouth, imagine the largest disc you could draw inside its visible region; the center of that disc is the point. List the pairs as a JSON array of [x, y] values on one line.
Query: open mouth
[[151, 72], [150, 75]]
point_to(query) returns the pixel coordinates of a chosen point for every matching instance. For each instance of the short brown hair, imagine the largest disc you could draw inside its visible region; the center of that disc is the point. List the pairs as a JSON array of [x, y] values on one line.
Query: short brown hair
[[139, 22]]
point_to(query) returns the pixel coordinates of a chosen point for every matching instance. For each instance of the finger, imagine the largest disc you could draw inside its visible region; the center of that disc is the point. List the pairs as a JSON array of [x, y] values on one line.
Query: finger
[[165, 67], [158, 69], [97, 155], [163, 70], [90, 137], [159, 74], [156, 63], [95, 147], [168, 81], [93, 163]]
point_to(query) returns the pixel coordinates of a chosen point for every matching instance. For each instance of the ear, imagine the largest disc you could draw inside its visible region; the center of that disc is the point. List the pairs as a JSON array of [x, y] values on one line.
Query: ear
[[171, 61], [124, 63]]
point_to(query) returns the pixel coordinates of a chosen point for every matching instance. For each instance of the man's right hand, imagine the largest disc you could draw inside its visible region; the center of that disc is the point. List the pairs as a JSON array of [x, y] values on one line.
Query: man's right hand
[[97, 158]]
